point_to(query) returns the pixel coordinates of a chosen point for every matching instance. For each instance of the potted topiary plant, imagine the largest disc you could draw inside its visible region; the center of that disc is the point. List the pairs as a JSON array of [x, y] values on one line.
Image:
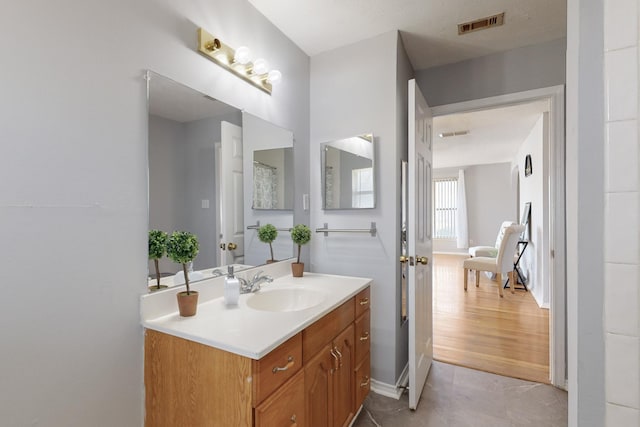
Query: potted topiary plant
[[182, 247], [300, 234], [267, 234], [157, 249]]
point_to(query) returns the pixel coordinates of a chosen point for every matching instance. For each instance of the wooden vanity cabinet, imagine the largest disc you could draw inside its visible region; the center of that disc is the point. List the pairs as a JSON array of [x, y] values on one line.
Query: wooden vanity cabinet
[[362, 362], [313, 379]]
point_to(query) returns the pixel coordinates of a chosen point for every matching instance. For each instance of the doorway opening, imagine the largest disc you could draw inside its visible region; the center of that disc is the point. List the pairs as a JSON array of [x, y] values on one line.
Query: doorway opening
[[503, 171]]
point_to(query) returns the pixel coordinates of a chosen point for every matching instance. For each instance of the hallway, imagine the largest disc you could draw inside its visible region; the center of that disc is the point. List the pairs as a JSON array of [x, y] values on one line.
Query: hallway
[[479, 330]]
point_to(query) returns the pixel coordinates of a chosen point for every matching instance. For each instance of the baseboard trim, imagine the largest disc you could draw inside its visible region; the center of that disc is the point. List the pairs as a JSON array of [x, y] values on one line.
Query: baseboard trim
[[393, 391]]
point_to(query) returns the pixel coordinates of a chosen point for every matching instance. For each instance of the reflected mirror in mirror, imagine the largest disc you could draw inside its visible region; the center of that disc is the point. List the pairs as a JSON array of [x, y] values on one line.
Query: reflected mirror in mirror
[[273, 178], [348, 173], [189, 133], [269, 184]]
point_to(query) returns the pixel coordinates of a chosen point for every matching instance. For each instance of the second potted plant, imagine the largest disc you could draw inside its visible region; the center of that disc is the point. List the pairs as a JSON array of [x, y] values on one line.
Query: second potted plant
[[157, 249], [267, 234], [182, 247], [300, 234]]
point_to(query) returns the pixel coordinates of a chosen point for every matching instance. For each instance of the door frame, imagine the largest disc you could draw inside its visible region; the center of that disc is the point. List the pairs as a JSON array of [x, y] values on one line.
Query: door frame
[[557, 262]]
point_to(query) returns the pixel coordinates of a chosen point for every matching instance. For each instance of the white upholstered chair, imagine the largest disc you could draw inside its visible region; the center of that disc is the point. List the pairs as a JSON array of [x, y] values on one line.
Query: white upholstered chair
[[490, 251], [501, 264]]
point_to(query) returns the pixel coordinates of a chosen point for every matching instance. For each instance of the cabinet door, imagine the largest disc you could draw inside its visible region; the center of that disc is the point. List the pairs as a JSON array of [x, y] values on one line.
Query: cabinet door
[[285, 407], [318, 374], [343, 378]]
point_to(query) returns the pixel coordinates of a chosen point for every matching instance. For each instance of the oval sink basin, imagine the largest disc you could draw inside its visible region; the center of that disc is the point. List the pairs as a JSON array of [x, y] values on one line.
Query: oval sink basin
[[292, 299]]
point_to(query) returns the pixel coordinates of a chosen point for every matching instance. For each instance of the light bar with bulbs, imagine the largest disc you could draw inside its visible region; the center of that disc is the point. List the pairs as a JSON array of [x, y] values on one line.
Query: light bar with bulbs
[[238, 62]]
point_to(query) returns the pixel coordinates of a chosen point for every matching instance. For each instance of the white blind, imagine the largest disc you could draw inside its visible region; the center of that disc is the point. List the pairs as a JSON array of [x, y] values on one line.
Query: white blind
[[445, 192]]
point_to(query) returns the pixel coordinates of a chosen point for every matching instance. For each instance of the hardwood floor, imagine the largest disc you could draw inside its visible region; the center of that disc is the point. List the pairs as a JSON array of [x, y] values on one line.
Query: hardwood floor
[[478, 329]]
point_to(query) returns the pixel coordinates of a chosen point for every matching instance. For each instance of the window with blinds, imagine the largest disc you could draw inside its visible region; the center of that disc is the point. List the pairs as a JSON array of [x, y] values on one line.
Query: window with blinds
[[445, 204]]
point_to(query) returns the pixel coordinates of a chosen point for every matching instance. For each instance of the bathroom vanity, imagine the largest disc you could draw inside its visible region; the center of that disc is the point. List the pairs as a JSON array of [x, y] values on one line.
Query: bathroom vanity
[[294, 353]]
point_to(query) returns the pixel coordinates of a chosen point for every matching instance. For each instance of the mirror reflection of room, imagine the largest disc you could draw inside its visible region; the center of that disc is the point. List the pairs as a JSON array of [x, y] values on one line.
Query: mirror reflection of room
[[273, 178], [348, 173]]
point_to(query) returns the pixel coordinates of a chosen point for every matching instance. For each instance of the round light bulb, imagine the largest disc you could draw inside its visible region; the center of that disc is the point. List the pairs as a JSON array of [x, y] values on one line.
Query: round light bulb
[[274, 77], [242, 55], [260, 66]]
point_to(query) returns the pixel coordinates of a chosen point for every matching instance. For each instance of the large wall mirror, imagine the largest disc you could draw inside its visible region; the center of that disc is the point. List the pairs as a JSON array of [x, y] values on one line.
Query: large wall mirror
[[197, 149], [348, 173]]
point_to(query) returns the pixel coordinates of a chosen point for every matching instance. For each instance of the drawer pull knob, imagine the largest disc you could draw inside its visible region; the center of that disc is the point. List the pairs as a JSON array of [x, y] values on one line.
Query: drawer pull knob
[[365, 382], [294, 419], [365, 336], [364, 301], [289, 364]]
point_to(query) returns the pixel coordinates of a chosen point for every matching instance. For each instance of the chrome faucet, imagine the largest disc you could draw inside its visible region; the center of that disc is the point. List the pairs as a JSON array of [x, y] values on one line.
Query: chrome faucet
[[253, 285]]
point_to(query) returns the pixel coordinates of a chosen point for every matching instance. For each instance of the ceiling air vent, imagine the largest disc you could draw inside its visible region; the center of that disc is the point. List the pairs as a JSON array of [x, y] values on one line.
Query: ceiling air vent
[[481, 24]]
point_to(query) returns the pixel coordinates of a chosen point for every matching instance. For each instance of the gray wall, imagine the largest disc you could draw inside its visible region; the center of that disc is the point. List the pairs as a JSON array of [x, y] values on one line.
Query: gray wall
[[353, 91], [585, 212], [73, 193], [167, 181], [535, 189], [491, 199], [517, 70]]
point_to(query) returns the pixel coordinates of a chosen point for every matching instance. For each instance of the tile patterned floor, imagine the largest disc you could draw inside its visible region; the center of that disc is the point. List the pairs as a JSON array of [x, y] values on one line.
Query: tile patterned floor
[[458, 397]]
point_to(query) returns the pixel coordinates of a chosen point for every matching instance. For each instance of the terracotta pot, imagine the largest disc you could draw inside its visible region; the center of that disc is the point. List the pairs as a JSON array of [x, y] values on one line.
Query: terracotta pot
[[297, 268], [187, 304]]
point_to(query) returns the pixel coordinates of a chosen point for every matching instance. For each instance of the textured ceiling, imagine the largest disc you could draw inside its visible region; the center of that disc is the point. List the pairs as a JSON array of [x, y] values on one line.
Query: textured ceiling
[[428, 27]]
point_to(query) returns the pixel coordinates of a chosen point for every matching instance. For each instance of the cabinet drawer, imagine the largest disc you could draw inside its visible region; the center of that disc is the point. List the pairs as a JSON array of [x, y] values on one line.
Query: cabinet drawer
[[285, 407], [363, 301], [324, 330], [363, 380], [363, 335], [276, 367]]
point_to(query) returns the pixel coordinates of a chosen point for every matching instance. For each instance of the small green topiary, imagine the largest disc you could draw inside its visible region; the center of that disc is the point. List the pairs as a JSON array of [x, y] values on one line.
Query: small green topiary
[[300, 234], [267, 234], [182, 247], [157, 248]]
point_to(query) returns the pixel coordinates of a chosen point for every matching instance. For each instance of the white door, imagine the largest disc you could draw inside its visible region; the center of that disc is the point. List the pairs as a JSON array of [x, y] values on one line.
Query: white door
[[231, 199], [419, 300]]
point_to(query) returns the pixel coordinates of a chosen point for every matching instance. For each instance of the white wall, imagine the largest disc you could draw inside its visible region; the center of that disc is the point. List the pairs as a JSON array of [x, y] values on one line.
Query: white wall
[[535, 189], [353, 91], [517, 70], [585, 212], [622, 214], [491, 199], [73, 187]]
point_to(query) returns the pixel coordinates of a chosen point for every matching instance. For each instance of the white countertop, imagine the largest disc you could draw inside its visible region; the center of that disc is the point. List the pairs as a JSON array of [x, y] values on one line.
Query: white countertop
[[242, 329]]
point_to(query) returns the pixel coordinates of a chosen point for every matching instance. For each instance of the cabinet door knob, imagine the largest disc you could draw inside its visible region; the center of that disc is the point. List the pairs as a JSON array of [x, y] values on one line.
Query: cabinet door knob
[[339, 356], [289, 364], [294, 419], [365, 382], [335, 357], [364, 301], [365, 336]]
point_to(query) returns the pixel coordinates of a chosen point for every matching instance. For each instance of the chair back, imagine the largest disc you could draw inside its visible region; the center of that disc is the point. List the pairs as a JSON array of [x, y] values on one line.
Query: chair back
[[503, 227], [507, 248]]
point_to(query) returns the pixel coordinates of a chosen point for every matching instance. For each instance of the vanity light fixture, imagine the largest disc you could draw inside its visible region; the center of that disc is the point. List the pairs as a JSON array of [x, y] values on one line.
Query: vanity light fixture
[[238, 62]]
